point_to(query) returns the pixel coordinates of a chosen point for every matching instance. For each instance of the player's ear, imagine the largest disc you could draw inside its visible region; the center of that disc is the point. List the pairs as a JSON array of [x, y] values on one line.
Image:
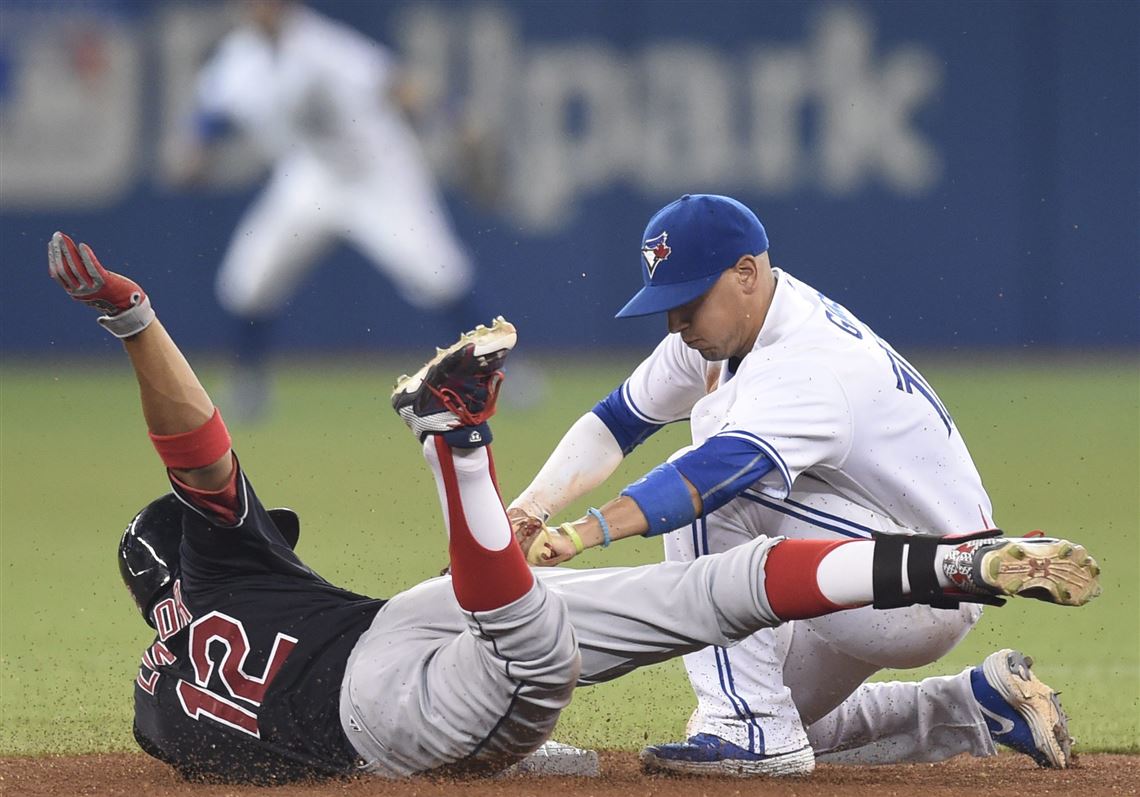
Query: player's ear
[[747, 272]]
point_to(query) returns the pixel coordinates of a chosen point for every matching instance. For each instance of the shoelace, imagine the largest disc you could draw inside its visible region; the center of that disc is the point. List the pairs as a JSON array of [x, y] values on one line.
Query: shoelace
[[453, 403]]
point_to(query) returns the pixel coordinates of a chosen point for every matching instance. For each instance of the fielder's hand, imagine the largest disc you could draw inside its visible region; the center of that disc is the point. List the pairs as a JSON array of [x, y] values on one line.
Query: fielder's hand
[[125, 306], [524, 525], [542, 545], [550, 547], [535, 539]]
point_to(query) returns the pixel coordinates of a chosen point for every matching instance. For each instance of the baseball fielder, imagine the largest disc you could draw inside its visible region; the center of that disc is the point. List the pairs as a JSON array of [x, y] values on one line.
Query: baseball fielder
[[323, 104], [808, 425], [262, 671]]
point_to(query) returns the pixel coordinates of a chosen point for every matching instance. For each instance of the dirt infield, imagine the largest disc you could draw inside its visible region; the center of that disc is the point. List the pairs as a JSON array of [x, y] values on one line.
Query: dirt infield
[[131, 775]]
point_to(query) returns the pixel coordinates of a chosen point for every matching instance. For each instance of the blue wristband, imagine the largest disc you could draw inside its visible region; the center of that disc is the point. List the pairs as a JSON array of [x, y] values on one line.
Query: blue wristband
[[663, 497], [597, 513]]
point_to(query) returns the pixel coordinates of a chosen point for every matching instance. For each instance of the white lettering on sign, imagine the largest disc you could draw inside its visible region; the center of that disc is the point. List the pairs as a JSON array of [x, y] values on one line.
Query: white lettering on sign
[[574, 118], [556, 122]]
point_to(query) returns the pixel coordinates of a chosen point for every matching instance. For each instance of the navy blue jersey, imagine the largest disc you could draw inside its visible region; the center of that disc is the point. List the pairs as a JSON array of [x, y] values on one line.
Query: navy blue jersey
[[243, 682]]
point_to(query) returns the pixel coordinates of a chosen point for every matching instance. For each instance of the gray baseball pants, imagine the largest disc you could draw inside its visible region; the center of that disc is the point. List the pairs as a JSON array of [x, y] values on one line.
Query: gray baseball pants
[[432, 687]]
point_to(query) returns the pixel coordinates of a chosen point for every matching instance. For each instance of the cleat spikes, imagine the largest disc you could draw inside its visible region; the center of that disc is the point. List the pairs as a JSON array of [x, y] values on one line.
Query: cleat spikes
[[459, 386], [1029, 715], [1052, 570]]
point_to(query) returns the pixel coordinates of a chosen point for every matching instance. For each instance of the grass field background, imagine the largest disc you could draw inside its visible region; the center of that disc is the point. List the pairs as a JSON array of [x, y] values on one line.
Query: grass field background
[[1057, 443]]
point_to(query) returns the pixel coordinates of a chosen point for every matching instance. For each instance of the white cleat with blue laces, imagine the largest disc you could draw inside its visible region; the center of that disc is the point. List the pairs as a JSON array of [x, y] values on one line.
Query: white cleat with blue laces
[[1021, 712]]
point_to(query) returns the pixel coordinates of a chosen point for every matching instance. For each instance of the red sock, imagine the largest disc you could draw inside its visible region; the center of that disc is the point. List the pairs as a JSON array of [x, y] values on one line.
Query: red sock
[[790, 579], [482, 579]]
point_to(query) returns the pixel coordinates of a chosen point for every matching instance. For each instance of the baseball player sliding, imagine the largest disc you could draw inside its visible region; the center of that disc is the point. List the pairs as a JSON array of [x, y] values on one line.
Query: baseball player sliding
[[805, 424], [326, 106], [263, 671]]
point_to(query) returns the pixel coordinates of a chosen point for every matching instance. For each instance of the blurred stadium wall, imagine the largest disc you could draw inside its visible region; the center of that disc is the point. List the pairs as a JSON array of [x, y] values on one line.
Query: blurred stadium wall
[[964, 175]]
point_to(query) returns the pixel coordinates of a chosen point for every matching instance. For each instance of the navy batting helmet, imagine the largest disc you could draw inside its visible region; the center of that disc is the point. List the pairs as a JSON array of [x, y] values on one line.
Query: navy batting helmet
[[149, 550]]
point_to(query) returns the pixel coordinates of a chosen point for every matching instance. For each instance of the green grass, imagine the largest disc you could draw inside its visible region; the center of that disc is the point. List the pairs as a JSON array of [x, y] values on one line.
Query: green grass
[[1057, 442]]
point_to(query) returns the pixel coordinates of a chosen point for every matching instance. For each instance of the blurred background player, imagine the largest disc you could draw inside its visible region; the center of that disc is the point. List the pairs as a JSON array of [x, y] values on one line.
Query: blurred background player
[[327, 106]]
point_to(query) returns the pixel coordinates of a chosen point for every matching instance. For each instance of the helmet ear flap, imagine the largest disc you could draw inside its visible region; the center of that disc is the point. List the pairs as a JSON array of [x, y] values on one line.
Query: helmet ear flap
[[149, 555]]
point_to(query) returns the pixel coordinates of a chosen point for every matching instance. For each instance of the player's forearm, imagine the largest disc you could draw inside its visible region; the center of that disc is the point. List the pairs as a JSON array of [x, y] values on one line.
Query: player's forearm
[[174, 402], [186, 430], [585, 457], [623, 518]]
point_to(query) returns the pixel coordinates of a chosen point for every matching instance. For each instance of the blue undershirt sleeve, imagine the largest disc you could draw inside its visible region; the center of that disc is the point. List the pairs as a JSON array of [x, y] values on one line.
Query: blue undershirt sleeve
[[721, 468], [628, 427]]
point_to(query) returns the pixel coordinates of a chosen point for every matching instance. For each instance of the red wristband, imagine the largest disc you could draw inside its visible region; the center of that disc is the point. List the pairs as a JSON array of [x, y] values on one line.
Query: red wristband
[[194, 449]]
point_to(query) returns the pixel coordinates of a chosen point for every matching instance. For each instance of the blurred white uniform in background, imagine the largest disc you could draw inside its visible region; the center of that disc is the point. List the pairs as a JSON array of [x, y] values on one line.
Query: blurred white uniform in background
[[321, 102]]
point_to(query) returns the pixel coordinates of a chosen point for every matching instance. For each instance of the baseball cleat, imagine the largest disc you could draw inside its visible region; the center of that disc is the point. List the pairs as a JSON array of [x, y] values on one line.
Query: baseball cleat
[[455, 392], [1051, 570], [705, 754], [1044, 568], [1021, 712], [558, 759]]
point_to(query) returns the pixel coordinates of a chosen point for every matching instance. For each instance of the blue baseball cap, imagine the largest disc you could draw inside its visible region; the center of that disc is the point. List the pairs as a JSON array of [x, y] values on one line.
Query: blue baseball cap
[[687, 245]]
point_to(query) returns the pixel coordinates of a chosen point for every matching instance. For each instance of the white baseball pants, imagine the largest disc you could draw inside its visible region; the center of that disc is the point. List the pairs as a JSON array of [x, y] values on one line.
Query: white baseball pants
[[392, 214], [803, 682]]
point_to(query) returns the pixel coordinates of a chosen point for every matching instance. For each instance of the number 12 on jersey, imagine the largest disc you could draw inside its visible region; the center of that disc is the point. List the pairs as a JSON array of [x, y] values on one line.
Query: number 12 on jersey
[[197, 700]]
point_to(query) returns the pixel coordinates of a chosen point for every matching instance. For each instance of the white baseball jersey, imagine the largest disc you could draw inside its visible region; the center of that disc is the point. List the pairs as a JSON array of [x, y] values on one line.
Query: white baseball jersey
[[316, 90], [822, 395], [858, 442], [347, 166]]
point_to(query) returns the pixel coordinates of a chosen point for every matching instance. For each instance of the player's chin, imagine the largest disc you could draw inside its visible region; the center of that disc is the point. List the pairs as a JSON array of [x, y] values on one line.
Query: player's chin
[[710, 351]]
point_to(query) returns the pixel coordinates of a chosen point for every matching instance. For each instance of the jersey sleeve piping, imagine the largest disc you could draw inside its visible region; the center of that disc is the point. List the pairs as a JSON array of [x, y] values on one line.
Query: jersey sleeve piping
[[627, 398], [751, 465], [722, 467], [628, 426], [768, 450]]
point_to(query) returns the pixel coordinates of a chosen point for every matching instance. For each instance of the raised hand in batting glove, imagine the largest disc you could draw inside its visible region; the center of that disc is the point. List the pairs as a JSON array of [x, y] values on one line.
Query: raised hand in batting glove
[[125, 306]]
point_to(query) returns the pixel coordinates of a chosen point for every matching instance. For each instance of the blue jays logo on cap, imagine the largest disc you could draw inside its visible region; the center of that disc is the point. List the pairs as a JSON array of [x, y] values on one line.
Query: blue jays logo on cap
[[654, 251], [707, 235]]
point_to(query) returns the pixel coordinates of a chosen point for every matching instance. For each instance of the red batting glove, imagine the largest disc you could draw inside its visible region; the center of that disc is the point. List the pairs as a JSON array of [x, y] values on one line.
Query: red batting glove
[[125, 306]]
